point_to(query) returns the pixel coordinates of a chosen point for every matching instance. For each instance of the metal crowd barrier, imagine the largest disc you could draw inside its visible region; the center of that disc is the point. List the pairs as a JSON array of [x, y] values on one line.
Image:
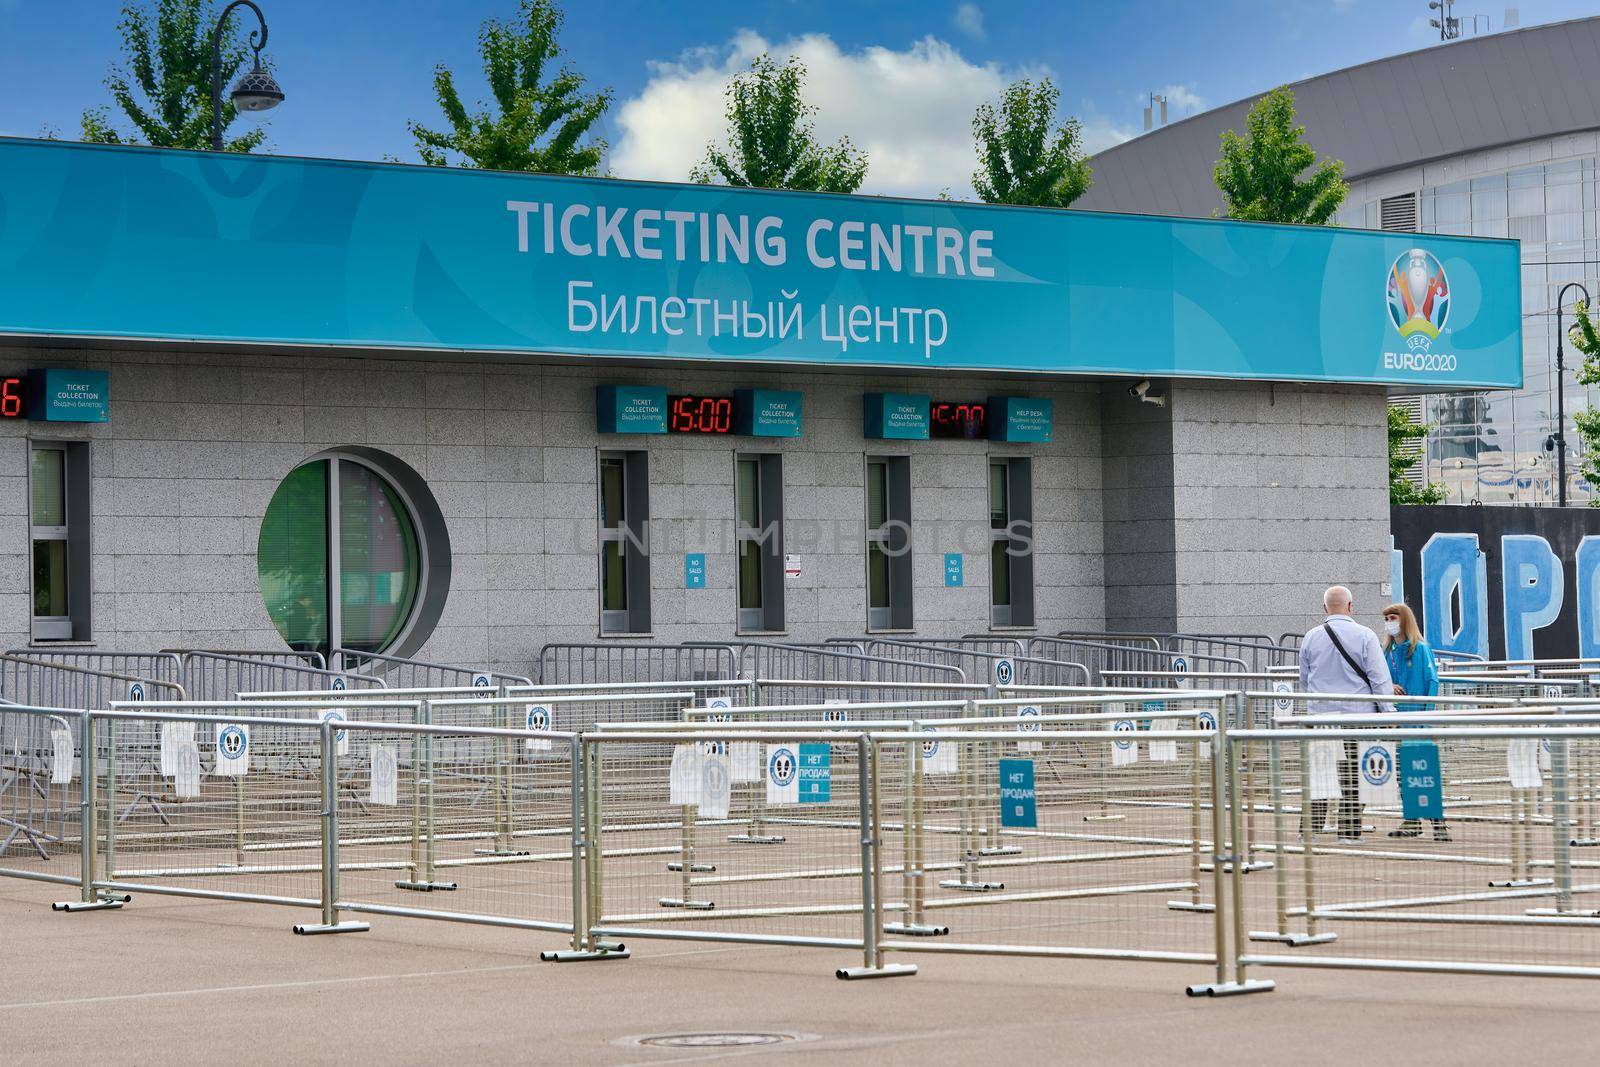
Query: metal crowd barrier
[[1258, 652], [999, 668], [830, 662], [1047, 824], [400, 671], [1501, 894], [211, 675], [155, 666], [631, 661], [1099, 657]]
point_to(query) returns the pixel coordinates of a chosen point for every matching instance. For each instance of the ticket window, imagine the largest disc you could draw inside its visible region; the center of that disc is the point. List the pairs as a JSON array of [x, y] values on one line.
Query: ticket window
[[889, 543], [624, 543], [759, 492], [1011, 542], [58, 506]]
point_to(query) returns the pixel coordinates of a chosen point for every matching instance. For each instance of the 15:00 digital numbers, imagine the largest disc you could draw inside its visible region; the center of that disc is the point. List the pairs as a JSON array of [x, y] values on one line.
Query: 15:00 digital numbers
[[700, 414]]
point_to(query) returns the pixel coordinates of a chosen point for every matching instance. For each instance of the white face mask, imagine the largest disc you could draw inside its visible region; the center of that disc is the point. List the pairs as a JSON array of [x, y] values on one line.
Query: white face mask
[[1392, 627]]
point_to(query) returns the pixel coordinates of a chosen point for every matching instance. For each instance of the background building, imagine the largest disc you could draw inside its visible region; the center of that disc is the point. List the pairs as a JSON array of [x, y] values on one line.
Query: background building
[[1493, 136]]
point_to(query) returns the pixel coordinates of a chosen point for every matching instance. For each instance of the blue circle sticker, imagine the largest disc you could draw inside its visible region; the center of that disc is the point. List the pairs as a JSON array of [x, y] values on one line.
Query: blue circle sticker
[[1124, 726], [1377, 766], [232, 743], [332, 715], [1208, 721], [781, 766], [538, 717], [1029, 712]]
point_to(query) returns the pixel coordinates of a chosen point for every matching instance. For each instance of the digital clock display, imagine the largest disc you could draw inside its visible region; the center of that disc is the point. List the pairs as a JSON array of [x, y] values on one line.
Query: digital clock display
[[13, 397], [700, 414], [969, 421]]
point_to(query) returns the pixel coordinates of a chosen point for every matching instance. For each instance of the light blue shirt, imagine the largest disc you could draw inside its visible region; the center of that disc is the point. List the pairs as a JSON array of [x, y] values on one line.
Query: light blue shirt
[[1324, 670]]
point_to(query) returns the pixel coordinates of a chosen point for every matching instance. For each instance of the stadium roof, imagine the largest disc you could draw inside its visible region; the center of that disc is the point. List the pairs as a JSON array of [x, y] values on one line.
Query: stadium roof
[[1471, 95]]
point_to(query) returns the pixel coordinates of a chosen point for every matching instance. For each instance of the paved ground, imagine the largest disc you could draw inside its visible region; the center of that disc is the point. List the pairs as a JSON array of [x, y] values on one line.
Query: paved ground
[[176, 981]]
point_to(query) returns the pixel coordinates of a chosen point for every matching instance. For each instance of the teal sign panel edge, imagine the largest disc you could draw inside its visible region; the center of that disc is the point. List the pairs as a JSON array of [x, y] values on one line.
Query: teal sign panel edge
[[1021, 418], [768, 413], [1421, 782], [895, 416], [123, 242], [816, 774], [630, 409], [1019, 801], [59, 394]]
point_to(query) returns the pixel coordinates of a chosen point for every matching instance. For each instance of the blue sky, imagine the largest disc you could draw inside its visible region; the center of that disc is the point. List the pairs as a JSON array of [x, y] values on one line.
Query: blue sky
[[900, 78]]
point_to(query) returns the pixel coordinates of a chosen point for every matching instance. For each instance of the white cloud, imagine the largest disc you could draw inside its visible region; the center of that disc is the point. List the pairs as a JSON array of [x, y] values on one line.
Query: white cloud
[[1182, 101], [969, 20], [910, 110]]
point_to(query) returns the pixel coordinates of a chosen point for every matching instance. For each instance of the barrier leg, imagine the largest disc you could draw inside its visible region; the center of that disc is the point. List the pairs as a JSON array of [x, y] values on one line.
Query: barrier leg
[[1524, 803], [89, 898], [687, 866], [1281, 873], [584, 906], [991, 803], [330, 844], [1194, 903], [872, 965], [422, 813], [503, 831], [969, 880], [757, 834], [912, 872], [1231, 979]]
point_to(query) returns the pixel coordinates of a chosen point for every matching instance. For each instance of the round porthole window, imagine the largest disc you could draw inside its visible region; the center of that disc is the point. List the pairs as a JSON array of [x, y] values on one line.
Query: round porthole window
[[353, 555]]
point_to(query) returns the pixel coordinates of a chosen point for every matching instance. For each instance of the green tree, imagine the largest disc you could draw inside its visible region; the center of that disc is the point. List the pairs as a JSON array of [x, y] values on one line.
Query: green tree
[[1586, 339], [1401, 459], [1021, 159], [1259, 174], [542, 125], [771, 143], [164, 90]]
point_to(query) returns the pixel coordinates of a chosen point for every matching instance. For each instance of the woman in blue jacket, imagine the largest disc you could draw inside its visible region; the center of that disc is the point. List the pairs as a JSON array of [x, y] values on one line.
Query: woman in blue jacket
[[1414, 673]]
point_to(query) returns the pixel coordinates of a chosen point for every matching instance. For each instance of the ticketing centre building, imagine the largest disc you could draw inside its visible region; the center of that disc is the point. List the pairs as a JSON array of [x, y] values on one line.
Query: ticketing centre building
[[258, 402]]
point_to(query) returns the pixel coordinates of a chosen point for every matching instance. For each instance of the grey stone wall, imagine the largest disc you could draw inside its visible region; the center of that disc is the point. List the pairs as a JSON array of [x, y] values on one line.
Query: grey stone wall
[[1228, 510], [1282, 492], [198, 443]]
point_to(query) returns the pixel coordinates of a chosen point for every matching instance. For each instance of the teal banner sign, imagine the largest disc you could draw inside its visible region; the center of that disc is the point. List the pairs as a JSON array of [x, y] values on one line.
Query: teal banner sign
[[895, 417], [630, 409], [1020, 418], [1421, 783], [767, 413], [1019, 800], [127, 242], [66, 395], [952, 570], [816, 774], [694, 570]]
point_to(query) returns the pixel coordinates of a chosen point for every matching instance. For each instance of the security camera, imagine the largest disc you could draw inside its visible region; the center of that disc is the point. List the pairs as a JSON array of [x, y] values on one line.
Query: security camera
[[1141, 389]]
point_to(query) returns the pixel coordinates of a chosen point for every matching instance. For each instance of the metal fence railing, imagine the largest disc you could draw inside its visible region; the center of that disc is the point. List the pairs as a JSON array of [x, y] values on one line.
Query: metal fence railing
[[402, 672], [1098, 657], [633, 661], [211, 675], [1177, 824]]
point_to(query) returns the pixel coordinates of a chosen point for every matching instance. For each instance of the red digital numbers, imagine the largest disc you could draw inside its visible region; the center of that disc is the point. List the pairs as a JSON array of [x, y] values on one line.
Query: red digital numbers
[[11, 395], [700, 414], [970, 421]]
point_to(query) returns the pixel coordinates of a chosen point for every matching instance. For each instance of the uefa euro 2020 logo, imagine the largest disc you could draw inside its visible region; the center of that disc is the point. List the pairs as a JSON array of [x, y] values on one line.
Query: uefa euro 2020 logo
[[1419, 298]]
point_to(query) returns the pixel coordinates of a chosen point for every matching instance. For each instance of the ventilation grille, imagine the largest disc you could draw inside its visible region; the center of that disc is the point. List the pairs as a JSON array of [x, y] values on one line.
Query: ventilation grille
[[1411, 408], [1398, 213]]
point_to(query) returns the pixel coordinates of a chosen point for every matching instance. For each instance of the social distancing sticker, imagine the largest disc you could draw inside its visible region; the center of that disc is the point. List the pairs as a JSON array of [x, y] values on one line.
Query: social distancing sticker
[[233, 749], [60, 755], [1379, 784], [385, 776]]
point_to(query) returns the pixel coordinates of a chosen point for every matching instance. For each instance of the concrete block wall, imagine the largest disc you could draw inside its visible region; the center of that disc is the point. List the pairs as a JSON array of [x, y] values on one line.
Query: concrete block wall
[[1282, 492], [198, 443]]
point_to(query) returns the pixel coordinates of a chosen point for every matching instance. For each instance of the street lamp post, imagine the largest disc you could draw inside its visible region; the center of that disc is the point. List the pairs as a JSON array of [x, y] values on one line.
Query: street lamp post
[[1560, 435], [256, 89]]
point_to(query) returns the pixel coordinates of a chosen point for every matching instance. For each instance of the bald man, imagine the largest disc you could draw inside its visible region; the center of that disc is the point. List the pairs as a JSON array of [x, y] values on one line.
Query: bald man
[[1342, 656]]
